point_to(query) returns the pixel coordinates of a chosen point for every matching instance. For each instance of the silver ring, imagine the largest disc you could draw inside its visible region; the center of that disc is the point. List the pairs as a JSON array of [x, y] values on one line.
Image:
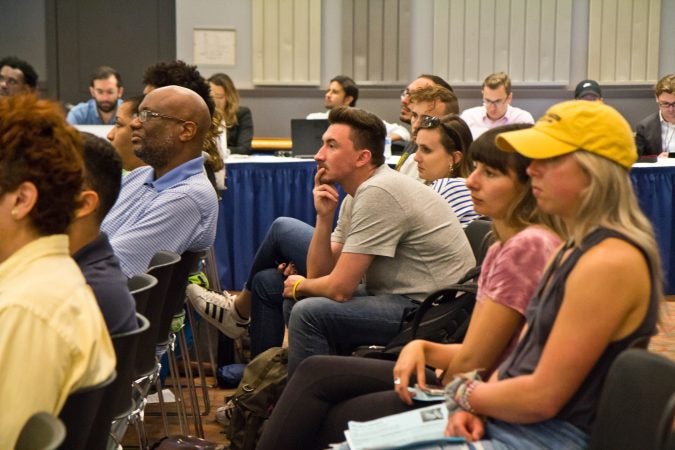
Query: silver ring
[[397, 380]]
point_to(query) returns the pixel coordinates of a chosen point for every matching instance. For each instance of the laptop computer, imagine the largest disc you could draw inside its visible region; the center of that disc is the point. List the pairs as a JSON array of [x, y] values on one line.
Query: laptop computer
[[306, 136]]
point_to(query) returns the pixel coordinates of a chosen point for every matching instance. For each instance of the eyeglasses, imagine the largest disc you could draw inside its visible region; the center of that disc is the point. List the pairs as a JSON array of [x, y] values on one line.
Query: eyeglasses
[[147, 114], [405, 92], [431, 122], [487, 102], [666, 105]]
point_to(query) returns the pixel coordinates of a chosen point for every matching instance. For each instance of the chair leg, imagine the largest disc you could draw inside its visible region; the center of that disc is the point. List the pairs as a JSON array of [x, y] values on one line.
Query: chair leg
[[195, 344], [192, 390]]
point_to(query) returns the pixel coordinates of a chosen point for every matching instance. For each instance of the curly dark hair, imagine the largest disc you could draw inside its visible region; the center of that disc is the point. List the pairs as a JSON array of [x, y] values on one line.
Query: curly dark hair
[[38, 146], [30, 76], [179, 73]]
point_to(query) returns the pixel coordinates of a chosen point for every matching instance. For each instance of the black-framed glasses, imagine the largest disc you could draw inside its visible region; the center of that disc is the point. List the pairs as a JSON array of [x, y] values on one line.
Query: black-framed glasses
[[666, 105], [430, 122], [147, 114]]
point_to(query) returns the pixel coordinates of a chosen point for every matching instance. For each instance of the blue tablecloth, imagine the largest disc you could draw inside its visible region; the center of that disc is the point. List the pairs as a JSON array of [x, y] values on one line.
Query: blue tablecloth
[[259, 192], [655, 188]]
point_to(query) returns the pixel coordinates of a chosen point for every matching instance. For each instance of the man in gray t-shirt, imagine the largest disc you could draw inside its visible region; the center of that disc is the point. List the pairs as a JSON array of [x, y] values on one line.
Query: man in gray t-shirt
[[396, 242]]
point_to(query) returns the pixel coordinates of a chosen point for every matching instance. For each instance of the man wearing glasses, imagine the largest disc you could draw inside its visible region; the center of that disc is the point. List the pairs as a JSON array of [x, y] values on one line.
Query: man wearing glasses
[[16, 77], [169, 204], [654, 134], [496, 109]]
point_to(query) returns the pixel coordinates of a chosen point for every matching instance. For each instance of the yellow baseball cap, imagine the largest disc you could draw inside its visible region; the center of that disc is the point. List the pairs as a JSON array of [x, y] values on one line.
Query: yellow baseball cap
[[575, 125]]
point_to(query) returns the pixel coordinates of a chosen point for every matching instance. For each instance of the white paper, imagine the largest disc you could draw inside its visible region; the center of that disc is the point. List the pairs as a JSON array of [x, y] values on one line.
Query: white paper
[[398, 430]]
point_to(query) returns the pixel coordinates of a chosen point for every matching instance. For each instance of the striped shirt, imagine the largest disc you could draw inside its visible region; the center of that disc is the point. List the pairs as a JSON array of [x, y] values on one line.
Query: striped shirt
[[455, 192], [177, 212]]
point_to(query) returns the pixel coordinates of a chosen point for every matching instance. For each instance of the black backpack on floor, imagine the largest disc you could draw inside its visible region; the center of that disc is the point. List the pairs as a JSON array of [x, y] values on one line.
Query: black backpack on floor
[[442, 317]]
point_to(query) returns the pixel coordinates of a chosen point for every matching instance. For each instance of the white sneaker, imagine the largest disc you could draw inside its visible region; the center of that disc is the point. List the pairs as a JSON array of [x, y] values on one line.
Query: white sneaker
[[218, 310], [224, 413]]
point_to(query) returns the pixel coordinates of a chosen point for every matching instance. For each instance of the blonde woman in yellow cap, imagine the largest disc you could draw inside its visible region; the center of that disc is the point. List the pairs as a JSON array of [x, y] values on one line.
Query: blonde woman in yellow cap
[[599, 295]]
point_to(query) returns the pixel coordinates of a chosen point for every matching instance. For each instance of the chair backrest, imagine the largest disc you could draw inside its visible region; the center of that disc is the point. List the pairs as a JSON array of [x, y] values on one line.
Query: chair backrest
[[478, 234], [667, 425], [117, 396], [41, 432], [161, 267], [634, 398], [140, 287], [80, 412], [175, 294]]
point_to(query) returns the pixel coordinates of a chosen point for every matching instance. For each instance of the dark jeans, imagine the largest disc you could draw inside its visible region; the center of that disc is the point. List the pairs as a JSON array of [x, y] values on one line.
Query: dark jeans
[[324, 394], [287, 240]]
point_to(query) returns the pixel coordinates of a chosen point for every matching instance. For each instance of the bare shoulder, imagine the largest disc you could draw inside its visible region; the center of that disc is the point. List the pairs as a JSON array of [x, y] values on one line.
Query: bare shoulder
[[615, 255]]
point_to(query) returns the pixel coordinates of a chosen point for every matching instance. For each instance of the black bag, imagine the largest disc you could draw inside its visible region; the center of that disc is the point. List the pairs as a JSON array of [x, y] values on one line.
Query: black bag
[[442, 317], [252, 403]]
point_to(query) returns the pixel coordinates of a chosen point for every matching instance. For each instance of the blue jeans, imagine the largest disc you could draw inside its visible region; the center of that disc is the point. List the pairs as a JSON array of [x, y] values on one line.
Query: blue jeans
[[287, 240], [321, 326]]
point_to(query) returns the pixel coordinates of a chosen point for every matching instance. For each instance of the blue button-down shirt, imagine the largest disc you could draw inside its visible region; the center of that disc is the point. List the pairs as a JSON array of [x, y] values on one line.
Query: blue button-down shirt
[[176, 212], [85, 113]]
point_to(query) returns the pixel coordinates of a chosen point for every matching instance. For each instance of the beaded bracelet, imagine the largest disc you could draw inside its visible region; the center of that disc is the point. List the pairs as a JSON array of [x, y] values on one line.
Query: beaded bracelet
[[463, 394]]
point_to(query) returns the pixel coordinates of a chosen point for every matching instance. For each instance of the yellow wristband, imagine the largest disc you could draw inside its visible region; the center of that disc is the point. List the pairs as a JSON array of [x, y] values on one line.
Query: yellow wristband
[[295, 286]]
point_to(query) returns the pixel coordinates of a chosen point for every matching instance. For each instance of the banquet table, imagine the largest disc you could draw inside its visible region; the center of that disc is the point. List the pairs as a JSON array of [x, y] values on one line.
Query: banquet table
[[262, 188]]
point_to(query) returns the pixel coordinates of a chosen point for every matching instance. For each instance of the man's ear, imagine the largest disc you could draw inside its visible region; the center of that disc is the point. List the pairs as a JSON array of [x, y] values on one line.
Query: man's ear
[[365, 156], [88, 204], [91, 91], [348, 100], [188, 132]]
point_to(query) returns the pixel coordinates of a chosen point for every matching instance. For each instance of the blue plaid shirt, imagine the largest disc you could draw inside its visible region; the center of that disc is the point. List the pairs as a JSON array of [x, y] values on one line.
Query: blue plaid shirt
[[176, 212]]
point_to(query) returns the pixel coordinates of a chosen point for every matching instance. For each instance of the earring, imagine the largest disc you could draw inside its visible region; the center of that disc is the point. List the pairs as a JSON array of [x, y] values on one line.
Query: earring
[[452, 170], [14, 213]]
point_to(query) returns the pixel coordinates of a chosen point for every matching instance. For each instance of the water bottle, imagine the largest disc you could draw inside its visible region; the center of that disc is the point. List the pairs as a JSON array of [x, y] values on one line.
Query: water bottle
[[387, 147]]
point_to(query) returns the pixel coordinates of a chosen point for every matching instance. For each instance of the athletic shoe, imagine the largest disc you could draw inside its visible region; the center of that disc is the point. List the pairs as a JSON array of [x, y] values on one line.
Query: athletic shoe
[[218, 310]]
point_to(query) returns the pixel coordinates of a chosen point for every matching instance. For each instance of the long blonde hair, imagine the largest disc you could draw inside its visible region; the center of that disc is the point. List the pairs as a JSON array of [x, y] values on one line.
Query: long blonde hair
[[231, 98], [610, 202]]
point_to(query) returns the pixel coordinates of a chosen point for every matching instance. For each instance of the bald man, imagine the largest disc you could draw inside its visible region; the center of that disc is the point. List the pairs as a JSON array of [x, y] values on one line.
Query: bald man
[[169, 204]]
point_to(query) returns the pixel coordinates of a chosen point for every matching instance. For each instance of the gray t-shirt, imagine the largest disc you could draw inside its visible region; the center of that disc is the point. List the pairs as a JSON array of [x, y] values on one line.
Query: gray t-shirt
[[418, 243]]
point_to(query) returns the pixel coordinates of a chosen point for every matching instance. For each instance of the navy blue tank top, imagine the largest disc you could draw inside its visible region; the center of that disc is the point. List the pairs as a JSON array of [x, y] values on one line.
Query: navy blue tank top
[[541, 314]]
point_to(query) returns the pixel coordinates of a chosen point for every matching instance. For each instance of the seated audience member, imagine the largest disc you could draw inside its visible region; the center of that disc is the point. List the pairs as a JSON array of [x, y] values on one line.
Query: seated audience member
[[16, 77], [496, 109], [599, 295], [236, 120], [588, 90], [105, 87], [90, 248], [53, 339], [654, 134], [360, 388], [178, 73], [120, 134], [406, 164], [169, 204], [400, 235], [433, 101], [443, 161], [343, 91]]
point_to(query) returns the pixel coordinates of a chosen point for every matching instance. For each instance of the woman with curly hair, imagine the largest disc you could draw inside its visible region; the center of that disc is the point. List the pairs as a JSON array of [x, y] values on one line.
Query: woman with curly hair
[[53, 339]]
